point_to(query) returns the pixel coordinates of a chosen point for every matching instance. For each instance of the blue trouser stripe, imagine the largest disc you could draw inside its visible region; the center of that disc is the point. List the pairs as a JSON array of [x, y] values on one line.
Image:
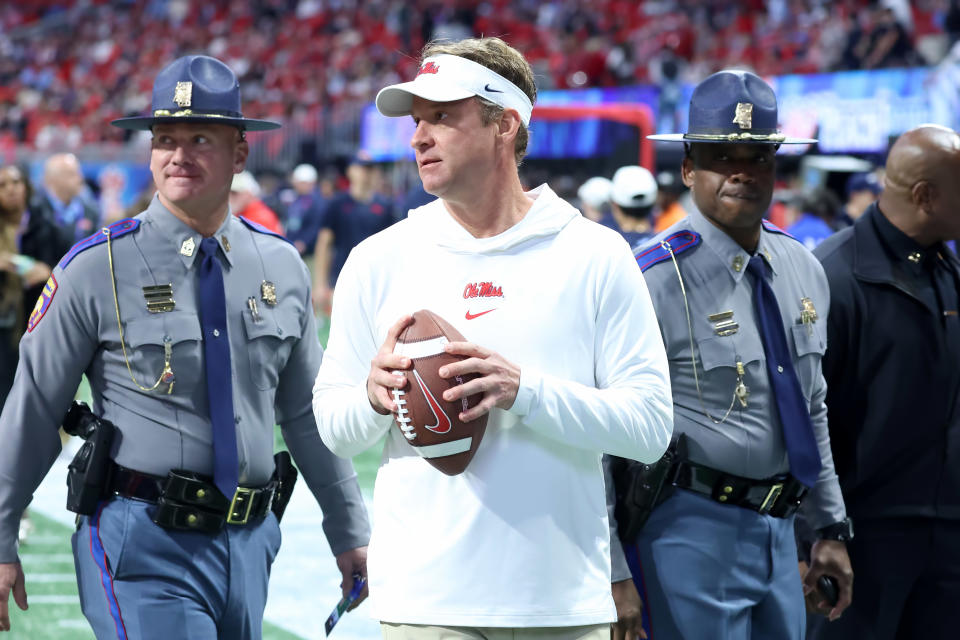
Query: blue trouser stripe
[[100, 558]]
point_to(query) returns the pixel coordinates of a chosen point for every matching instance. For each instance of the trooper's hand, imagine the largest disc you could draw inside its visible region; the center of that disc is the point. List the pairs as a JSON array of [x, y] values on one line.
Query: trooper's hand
[[829, 557], [382, 381], [629, 624], [353, 563], [11, 578]]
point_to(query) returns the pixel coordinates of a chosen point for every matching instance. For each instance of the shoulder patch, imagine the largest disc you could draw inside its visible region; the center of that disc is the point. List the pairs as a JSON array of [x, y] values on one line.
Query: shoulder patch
[[259, 228], [117, 229], [43, 303], [680, 241], [772, 228]]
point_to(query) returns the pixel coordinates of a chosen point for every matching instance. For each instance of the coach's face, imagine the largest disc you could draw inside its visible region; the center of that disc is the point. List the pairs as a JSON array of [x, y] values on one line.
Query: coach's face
[[732, 184], [453, 147], [193, 164]]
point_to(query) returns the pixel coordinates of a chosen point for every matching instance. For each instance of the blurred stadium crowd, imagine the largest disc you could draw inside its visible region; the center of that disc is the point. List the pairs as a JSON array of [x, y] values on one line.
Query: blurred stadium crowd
[[67, 68]]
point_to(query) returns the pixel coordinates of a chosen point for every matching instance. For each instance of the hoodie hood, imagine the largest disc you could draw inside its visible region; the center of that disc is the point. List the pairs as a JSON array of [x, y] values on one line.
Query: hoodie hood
[[548, 215]]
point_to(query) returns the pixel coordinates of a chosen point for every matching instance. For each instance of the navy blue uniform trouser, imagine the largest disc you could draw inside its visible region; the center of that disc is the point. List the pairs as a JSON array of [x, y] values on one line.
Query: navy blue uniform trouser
[[906, 582], [140, 581], [708, 571]]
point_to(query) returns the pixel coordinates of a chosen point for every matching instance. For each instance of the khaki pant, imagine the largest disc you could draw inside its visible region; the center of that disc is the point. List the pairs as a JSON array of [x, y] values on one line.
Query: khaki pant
[[425, 632]]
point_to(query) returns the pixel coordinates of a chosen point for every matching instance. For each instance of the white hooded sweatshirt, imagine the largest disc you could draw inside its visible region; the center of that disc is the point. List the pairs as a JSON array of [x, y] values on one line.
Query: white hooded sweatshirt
[[520, 539]]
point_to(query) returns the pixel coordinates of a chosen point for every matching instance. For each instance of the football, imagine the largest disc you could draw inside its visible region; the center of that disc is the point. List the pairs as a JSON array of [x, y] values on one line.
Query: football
[[429, 423]]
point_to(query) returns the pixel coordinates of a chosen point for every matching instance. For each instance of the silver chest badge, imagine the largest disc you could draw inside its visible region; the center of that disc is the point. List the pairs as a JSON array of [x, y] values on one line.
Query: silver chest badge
[[268, 293]]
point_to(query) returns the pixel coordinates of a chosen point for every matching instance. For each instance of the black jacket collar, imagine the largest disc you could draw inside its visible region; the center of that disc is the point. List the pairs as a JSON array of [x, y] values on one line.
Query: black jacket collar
[[884, 254]]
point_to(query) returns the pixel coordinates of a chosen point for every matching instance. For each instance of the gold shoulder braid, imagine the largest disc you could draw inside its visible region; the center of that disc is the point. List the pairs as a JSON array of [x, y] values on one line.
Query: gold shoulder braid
[[740, 391], [166, 376]]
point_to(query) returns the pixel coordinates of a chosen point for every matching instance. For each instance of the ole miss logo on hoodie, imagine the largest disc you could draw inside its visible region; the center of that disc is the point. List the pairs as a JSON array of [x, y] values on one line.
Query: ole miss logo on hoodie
[[481, 290]]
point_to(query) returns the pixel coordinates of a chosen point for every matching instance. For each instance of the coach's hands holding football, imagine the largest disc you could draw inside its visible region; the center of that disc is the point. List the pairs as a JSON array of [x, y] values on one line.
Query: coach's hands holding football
[[498, 378], [382, 381]]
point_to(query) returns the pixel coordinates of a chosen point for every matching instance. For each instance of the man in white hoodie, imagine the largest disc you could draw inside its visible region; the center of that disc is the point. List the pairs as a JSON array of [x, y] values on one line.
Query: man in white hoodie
[[519, 542]]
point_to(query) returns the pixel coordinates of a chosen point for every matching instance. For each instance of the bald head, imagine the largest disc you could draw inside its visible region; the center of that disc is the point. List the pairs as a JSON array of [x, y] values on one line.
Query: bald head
[[921, 194], [62, 176]]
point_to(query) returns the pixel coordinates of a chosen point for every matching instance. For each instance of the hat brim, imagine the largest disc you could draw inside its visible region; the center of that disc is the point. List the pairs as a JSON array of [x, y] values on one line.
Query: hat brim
[[145, 123], [682, 137], [397, 99]]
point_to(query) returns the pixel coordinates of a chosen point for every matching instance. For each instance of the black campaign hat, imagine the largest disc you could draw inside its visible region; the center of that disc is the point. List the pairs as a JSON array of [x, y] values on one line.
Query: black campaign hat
[[196, 89], [733, 106]]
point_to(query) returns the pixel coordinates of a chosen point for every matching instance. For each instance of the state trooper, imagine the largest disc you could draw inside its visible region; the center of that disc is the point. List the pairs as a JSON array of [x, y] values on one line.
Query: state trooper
[[196, 332], [742, 308]]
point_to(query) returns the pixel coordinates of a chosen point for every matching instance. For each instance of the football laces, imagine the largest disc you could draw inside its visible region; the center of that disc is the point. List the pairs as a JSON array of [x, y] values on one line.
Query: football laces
[[403, 415]]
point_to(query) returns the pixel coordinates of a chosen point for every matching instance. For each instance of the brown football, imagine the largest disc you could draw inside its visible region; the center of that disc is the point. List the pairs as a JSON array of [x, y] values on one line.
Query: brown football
[[429, 423]]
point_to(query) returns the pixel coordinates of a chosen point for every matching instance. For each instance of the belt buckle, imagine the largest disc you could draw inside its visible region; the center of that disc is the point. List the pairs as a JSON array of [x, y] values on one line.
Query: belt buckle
[[771, 498], [240, 506]]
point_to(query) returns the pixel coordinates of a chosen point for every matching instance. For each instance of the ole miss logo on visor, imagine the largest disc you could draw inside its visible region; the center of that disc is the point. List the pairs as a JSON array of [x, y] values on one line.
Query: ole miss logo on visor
[[430, 67]]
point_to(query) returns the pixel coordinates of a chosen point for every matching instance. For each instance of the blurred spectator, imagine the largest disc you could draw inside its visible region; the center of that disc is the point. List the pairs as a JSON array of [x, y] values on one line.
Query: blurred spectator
[[594, 196], [348, 219], [633, 193], [416, 197], [862, 191], [245, 202], [670, 208], [818, 214], [63, 200], [28, 251], [951, 21], [890, 45], [305, 213]]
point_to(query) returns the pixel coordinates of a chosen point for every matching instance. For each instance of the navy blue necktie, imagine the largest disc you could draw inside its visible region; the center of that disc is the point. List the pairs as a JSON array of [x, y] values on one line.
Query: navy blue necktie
[[216, 351], [794, 413]]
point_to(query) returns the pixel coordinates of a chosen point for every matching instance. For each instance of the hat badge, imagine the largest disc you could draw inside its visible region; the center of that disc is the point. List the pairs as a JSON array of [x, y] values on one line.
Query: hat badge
[[183, 94], [744, 115]]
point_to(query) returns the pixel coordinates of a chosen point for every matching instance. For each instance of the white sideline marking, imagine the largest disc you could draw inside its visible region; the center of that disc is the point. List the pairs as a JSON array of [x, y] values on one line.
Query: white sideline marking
[[53, 577], [45, 558], [32, 600], [34, 539], [73, 623]]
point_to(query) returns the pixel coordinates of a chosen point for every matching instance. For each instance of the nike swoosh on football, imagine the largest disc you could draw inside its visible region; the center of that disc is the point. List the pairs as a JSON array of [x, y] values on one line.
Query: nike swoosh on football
[[491, 89], [471, 316], [443, 422]]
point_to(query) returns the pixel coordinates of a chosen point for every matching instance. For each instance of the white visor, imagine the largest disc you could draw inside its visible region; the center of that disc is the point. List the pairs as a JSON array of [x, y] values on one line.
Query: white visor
[[447, 78]]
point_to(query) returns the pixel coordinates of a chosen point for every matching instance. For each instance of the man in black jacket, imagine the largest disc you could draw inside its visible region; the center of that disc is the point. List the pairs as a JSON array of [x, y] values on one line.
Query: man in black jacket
[[893, 372]]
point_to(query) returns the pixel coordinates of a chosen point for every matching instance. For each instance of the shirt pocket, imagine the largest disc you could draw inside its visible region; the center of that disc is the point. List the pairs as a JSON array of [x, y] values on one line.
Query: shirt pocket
[[810, 345], [270, 339], [147, 339], [719, 356]]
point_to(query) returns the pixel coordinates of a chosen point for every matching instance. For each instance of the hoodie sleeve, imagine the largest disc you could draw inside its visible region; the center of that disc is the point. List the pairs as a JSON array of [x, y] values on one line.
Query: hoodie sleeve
[[629, 412], [347, 423]]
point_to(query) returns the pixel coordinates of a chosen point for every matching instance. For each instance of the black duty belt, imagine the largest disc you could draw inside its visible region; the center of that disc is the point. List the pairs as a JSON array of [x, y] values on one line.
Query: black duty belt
[[191, 502], [779, 496]]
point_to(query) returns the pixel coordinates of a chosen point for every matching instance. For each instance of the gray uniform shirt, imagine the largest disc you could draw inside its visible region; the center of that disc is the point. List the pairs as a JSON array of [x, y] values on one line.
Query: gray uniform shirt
[[274, 354], [750, 441]]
